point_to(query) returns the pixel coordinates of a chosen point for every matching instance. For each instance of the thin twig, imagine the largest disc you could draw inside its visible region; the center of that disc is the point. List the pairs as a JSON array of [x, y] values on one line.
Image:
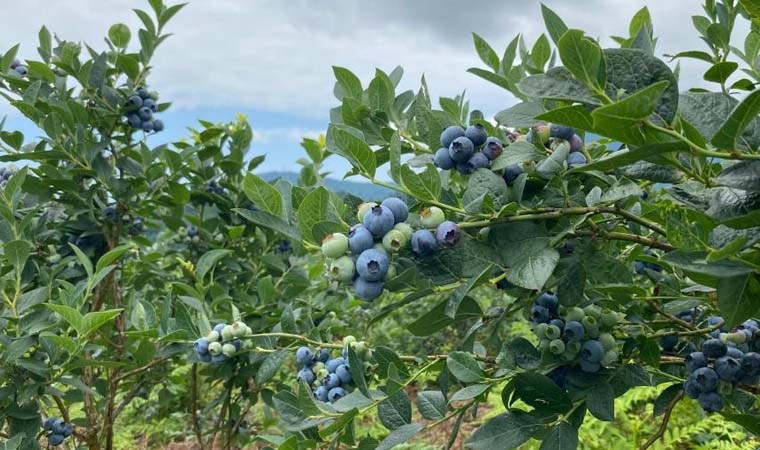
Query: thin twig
[[696, 332], [664, 425], [672, 318], [148, 366], [194, 406]]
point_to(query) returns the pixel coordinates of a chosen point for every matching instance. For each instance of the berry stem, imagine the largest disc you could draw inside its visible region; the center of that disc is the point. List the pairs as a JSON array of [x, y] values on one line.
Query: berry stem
[[665, 419]]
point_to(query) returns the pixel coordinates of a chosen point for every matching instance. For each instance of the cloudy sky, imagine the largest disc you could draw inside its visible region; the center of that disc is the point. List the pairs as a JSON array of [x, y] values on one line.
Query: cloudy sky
[[271, 59]]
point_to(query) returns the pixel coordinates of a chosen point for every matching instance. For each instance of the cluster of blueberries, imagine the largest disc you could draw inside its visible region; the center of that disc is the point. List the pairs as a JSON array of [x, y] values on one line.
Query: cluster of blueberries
[[727, 358], [19, 68], [671, 343], [136, 225], [213, 188], [139, 111], [223, 342], [466, 150], [582, 335], [6, 173], [334, 373], [551, 136], [364, 255], [189, 233], [57, 430]]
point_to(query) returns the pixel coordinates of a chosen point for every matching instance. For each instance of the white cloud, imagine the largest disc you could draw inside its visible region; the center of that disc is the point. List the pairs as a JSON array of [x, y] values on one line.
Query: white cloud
[[285, 135]]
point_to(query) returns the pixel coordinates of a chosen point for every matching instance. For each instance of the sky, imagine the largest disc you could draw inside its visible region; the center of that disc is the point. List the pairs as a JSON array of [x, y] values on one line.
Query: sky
[[272, 59]]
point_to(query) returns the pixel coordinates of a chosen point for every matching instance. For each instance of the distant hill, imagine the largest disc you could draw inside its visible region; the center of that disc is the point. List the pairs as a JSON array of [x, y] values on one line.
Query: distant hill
[[365, 191]]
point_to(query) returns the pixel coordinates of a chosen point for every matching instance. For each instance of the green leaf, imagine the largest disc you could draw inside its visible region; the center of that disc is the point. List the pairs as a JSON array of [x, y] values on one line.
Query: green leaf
[[269, 367], [455, 299], [520, 115], [119, 34], [744, 113], [94, 320], [356, 367], [70, 315], [313, 209], [97, 75], [743, 175], [562, 436], [399, 436], [431, 404], [486, 53], [576, 116], [464, 367], [626, 157], [707, 111], [504, 432], [751, 422], [695, 262], [554, 24], [83, 259], [437, 318], [540, 392], [531, 262], [380, 93], [739, 298], [517, 153], [394, 150], [111, 256], [519, 353], [344, 142], [395, 411], [664, 400], [557, 84], [348, 81], [425, 185], [582, 57], [469, 392], [271, 222], [623, 120], [600, 401], [208, 260], [720, 72], [17, 252], [263, 195], [46, 44]]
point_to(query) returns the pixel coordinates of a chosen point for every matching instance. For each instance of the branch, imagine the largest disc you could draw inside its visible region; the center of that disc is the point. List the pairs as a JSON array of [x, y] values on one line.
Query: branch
[[61, 408], [149, 366], [696, 332], [128, 398], [665, 419], [194, 406], [617, 236], [672, 318]]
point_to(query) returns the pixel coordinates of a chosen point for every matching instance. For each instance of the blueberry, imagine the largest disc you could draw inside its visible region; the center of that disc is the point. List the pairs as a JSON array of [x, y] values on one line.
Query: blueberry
[[149, 103], [706, 379], [48, 424], [321, 393], [492, 148], [734, 353], [609, 358], [576, 143], [727, 368], [110, 214], [561, 132], [342, 269], [147, 127], [714, 348], [359, 239], [15, 63], [549, 301], [55, 439], [477, 134], [478, 161], [668, 343], [442, 159], [333, 364], [306, 375], [710, 401], [145, 113], [368, 290], [229, 349], [68, 430], [691, 389], [590, 366], [201, 346], [432, 217], [206, 358], [344, 373], [324, 355], [451, 133], [363, 209], [461, 149], [304, 356], [219, 327], [465, 168], [447, 234], [557, 347], [398, 208], [142, 92], [750, 363], [394, 240], [334, 245], [22, 70], [552, 332], [218, 359], [372, 265], [379, 220], [336, 394], [576, 159], [639, 268], [592, 351], [331, 381], [695, 360], [539, 314], [559, 323], [134, 102], [511, 173], [424, 243], [574, 331], [158, 125]]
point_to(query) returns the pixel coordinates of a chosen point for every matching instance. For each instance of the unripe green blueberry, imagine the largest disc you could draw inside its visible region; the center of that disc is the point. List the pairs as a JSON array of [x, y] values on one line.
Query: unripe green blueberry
[[227, 333], [394, 241], [334, 245], [321, 373], [404, 228], [573, 347], [575, 314], [552, 332], [248, 330], [215, 348], [213, 336], [360, 348], [228, 350], [182, 232], [543, 345], [342, 269], [348, 340], [363, 209], [381, 248], [318, 366], [608, 341], [239, 329], [543, 132], [540, 330], [593, 333], [590, 323], [196, 239], [557, 347], [432, 217], [737, 337], [609, 319], [248, 345], [609, 358], [593, 311]]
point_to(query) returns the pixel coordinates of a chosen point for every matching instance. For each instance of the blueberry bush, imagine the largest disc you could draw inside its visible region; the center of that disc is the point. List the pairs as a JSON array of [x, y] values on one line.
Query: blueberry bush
[[597, 239]]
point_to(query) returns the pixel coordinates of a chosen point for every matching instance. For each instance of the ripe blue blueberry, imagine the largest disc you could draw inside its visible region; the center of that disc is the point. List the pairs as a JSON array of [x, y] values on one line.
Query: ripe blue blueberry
[[147, 127], [379, 220], [478, 161], [21, 70], [134, 102], [333, 364], [592, 351], [706, 378], [711, 401], [727, 368], [201, 346], [344, 373], [336, 394], [55, 439], [492, 148], [511, 173], [465, 168], [714, 348], [424, 243], [561, 132], [145, 113], [735, 353], [324, 355], [142, 92], [590, 366], [559, 323], [218, 359], [150, 103], [574, 330], [576, 159], [691, 389], [158, 125], [306, 375], [321, 393], [359, 239], [750, 363], [398, 208], [477, 134], [368, 290], [695, 360], [219, 327], [461, 149], [331, 380], [134, 121], [451, 133], [110, 214], [448, 234], [668, 343], [549, 301], [372, 265], [442, 159], [539, 314], [68, 430], [50, 422], [15, 63], [576, 143], [304, 356]]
